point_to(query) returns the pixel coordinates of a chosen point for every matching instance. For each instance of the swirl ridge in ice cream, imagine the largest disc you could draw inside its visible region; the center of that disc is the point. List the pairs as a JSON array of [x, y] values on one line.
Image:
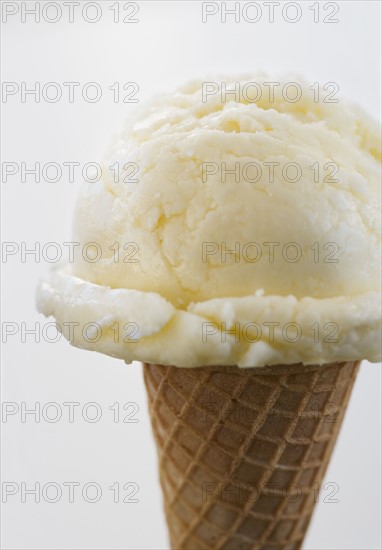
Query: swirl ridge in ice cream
[[231, 231]]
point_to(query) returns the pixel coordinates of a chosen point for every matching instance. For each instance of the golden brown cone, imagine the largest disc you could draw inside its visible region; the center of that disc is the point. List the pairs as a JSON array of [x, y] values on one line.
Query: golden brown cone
[[242, 452]]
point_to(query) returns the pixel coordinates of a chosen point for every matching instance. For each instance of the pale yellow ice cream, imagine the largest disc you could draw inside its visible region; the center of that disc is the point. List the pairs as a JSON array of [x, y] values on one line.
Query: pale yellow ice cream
[[247, 233]]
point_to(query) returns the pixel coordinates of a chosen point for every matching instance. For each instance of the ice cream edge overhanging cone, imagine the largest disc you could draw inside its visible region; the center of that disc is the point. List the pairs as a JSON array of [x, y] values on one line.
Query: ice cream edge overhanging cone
[[232, 245]]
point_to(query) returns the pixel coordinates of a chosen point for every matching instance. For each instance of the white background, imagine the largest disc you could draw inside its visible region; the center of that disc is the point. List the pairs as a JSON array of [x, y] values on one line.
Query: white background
[[169, 45]]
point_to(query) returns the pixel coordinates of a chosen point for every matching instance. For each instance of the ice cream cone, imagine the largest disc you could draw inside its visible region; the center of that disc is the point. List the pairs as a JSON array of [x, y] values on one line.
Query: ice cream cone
[[242, 452], [202, 262]]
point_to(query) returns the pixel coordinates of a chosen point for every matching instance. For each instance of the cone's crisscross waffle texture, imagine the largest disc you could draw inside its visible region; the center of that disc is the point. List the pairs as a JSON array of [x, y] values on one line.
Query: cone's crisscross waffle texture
[[242, 452]]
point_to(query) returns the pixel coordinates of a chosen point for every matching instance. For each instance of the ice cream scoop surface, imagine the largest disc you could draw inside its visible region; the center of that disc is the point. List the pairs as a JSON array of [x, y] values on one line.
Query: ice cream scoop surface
[[213, 213]]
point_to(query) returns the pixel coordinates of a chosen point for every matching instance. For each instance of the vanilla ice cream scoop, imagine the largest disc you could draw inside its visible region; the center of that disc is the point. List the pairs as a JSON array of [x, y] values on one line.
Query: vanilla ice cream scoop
[[228, 230]]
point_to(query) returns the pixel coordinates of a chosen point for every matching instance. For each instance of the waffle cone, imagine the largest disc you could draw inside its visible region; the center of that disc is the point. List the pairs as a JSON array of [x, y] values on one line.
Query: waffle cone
[[242, 452]]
